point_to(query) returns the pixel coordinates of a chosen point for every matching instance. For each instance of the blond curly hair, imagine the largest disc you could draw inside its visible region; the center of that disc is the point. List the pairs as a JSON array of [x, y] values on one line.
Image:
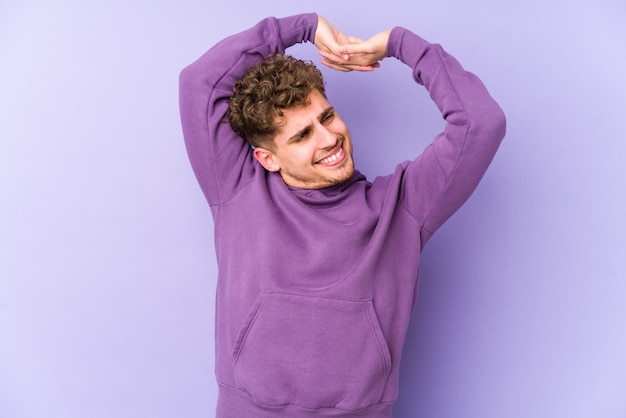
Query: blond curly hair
[[279, 82]]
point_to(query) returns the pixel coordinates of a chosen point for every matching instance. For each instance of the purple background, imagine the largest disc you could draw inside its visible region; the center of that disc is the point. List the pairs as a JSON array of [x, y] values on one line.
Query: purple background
[[106, 254]]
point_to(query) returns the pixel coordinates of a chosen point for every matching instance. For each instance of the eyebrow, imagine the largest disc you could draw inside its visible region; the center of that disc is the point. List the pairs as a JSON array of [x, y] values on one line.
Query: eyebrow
[[321, 116]]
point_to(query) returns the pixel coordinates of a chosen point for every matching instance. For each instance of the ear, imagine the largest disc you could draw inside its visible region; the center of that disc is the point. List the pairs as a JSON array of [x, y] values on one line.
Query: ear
[[267, 159]]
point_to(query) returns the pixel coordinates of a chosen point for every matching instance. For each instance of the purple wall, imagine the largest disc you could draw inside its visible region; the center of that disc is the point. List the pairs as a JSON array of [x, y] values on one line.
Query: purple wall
[[106, 253]]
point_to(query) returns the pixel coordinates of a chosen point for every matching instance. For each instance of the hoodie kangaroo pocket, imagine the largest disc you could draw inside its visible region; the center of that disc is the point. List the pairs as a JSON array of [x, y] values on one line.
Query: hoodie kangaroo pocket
[[312, 352]]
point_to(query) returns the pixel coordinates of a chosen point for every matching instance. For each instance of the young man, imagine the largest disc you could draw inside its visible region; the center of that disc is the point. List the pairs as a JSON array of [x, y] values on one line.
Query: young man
[[317, 266]]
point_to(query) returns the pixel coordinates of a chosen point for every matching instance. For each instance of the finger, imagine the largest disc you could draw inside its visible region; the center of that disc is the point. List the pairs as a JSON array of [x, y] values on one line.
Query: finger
[[349, 67], [329, 56], [357, 61], [353, 49], [361, 68], [334, 55], [335, 66], [356, 64], [355, 40]]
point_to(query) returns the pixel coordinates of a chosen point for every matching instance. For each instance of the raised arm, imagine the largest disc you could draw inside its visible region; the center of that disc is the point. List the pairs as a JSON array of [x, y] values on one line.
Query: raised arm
[[221, 160], [440, 180]]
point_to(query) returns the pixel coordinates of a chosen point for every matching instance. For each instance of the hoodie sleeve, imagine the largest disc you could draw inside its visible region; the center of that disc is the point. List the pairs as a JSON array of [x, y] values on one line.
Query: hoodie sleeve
[[222, 161], [443, 177]]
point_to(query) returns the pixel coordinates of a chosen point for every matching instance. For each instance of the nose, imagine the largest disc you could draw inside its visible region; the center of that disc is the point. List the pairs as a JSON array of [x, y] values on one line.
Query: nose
[[327, 139]]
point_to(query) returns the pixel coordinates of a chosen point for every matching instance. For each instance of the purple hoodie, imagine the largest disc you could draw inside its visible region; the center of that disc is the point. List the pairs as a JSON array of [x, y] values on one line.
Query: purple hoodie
[[315, 287]]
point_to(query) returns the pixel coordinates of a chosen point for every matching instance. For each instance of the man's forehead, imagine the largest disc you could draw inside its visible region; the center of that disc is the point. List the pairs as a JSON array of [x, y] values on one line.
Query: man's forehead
[[301, 116], [314, 101]]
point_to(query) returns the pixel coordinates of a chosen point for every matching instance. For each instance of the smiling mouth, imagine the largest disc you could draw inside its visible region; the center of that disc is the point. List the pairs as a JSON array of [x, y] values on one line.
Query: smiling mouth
[[334, 157]]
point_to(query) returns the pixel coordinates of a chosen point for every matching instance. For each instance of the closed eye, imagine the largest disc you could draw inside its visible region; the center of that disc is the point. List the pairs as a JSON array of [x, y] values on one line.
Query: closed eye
[[302, 135], [328, 116]]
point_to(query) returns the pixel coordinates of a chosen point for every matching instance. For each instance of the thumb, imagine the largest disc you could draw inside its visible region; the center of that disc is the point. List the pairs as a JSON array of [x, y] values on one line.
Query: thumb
[[353, 48]]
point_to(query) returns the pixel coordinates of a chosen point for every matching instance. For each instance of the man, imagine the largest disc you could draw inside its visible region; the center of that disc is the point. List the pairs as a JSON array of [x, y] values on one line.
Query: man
[[317, 266]]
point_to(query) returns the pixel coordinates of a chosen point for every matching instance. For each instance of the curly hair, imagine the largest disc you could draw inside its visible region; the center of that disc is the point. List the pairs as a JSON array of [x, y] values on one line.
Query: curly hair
[[279, 82]]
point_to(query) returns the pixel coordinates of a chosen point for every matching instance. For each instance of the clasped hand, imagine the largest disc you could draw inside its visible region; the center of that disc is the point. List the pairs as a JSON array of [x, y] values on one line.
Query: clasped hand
[[347, 53]]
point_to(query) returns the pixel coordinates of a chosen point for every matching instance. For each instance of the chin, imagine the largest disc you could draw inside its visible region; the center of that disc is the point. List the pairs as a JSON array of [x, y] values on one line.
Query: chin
[[345, 176]]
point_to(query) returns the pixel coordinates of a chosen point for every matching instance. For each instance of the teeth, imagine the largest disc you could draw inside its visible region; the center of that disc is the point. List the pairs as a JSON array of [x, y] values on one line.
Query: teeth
[[332, 157]]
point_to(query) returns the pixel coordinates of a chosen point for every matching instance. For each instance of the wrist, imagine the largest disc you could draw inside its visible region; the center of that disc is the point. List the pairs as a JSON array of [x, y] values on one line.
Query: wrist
[[298, 28]]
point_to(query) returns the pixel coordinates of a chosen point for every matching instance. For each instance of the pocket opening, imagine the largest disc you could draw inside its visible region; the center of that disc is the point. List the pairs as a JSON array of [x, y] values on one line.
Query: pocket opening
[[312, 352]]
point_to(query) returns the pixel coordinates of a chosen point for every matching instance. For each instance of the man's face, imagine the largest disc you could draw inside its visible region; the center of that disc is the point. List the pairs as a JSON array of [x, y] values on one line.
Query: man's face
[[313, 148]]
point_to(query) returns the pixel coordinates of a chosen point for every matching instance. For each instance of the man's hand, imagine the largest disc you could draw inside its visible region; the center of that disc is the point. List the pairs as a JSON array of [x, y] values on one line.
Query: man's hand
[[361, 56], [347, 53]]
